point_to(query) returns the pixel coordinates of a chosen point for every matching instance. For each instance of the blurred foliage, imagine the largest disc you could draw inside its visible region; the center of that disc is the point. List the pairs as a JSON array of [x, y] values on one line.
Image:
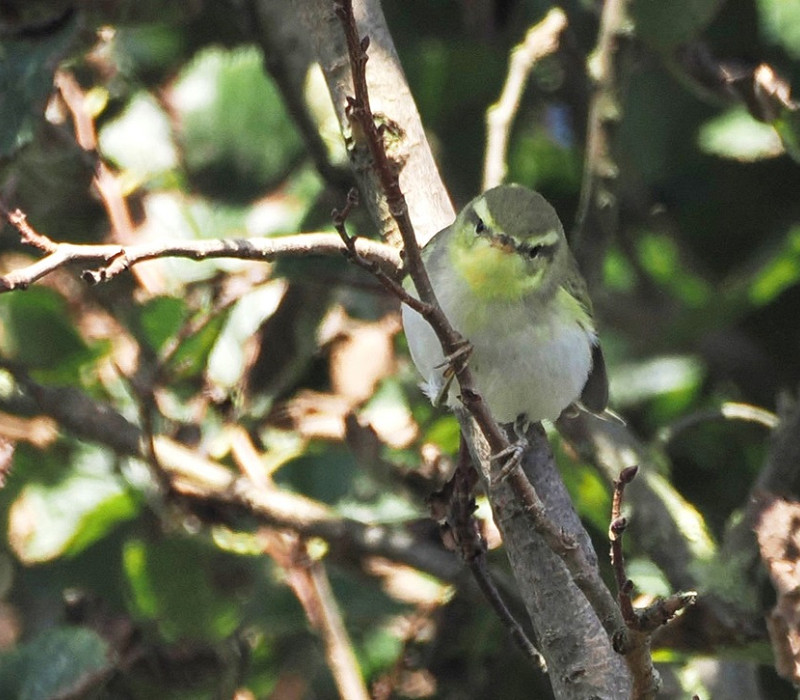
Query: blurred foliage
[[107, 586]]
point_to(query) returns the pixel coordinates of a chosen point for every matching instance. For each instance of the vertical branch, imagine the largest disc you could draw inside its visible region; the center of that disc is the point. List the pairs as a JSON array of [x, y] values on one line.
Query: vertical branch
[[429, 207], [540, 41], [309, 581], [598, 207]]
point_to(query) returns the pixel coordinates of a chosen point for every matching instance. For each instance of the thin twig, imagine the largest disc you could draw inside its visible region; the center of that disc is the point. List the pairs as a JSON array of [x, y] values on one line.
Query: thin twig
[[540, 41], [27, 233], [309, 581], [360, 112], [105, 180], [118, 258], [615, 531], [460, 517], [729, 410], [634, 641], [389, 283], [209, 484]]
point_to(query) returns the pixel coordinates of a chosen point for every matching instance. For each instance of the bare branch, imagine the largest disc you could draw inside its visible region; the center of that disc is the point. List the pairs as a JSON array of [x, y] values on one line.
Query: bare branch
[[615, 531], [598, 205], [204, 482], [118, 258], [540, 41], [460, 508], [729, 410], [634, 641]]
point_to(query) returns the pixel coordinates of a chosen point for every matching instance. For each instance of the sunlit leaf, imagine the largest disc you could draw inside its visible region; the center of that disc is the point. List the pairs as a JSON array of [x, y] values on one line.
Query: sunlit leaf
[[660, 257], [618, 273], [236, 136], [37, 331], [226, 362], [445, 433], [780, 273], [788, 127], [780, 23], [632, 383], [140, 140], [647, 577], [735, 134], [48, 520], [589, 493], [53, 664]]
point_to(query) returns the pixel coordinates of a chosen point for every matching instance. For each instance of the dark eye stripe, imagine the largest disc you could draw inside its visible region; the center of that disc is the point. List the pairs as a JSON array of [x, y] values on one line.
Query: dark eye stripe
[[537, 250]]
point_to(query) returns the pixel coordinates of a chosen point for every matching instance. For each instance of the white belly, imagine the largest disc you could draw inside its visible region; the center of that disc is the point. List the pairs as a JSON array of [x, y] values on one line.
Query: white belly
[[520, 367]]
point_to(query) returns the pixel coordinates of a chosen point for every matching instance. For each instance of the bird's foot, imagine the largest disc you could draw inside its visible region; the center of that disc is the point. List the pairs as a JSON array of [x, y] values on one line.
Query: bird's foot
[[511, 456], [451, 365]]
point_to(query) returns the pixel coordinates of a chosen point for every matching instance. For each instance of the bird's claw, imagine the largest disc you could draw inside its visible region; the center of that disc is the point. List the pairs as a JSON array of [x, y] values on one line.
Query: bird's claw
[[460, 354], [513, 453]]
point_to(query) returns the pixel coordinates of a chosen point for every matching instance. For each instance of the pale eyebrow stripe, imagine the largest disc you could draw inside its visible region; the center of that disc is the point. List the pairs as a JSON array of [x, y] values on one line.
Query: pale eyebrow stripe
[[549, 239], [482, 210]]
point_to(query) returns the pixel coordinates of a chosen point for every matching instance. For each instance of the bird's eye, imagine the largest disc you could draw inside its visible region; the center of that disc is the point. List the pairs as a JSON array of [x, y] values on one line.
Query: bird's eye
[[533, 251], [480, 227]]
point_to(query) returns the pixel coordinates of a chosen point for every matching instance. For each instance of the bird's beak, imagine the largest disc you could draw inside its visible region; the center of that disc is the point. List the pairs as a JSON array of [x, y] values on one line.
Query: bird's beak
[[503, 242]]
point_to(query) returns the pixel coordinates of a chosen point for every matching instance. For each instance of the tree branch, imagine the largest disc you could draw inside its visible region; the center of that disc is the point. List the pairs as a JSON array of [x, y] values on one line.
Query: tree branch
[[598, 207], [118, 258], [208, 484], [540, 41]]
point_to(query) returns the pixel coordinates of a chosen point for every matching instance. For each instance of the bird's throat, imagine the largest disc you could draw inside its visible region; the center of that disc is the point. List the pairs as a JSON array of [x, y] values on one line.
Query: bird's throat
[[493, 273]]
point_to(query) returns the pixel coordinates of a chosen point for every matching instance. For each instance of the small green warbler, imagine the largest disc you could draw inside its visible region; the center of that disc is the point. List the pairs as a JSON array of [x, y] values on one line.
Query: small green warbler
[[506, 280]]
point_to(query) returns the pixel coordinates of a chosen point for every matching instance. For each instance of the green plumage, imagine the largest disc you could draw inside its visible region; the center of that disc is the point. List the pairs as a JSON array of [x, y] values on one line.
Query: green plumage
[[505, 278]]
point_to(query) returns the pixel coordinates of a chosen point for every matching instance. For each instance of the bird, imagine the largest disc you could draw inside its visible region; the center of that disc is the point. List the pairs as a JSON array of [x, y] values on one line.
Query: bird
[[506, 279]]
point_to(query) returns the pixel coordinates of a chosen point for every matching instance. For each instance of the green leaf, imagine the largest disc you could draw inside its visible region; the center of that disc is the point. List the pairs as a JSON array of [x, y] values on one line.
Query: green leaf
[[237, 138], [661, 258], [674, 376], [191, 358], [780, 24], [49, 520], [780, 273], [38, 333], [170, 582], [788, 127], [26, 81], [140, 139], [667, 25], [540, 161], [54, 664], [647, 577], [736, 135], [589, 493], [160, 318]]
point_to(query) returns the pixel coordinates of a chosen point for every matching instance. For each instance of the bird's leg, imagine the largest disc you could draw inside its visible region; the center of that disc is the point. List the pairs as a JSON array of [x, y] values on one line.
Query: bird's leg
[[461, 355], [512, 455]]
